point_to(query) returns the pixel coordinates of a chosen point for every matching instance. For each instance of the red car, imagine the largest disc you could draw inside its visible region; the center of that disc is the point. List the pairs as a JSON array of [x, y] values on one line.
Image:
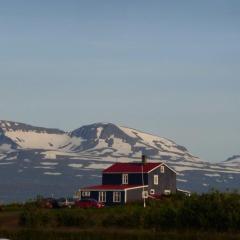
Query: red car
[[89, 203]]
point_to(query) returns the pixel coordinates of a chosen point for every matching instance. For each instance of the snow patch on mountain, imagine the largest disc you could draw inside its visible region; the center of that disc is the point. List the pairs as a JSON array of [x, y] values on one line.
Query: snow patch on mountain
[[6, 163], [5, 147], [37, 140], [6, 144], [98, 166], [75, 165], [78, 157], [49, 163], [52, 173], [233, 161]]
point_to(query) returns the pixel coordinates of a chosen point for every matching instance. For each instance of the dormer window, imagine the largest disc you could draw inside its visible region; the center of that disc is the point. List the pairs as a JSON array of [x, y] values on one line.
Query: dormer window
[[125, 179], [162, 169]]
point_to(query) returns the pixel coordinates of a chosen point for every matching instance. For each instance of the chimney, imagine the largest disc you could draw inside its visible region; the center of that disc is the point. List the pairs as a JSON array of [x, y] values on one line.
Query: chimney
[[144, 159]]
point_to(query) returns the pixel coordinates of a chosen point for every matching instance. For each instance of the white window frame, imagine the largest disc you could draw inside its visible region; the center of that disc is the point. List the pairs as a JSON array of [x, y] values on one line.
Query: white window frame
[[124, 178], [85, 194], [152, 191], [162, 169], [102, 196], [155, 179], [116, 196], [167, 191]]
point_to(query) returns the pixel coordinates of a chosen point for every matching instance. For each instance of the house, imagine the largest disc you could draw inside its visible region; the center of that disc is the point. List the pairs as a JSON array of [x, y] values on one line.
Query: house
[[127, 182]]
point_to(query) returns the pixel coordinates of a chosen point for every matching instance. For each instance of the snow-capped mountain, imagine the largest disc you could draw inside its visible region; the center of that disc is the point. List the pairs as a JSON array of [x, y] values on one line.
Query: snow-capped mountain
[[233, 161], [6, 144], [35, 160], [109, 139], [30, 137]]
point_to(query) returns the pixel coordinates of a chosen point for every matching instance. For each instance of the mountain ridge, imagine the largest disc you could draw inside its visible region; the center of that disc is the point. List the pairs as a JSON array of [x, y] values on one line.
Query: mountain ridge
[[61, 162], [11, 125]]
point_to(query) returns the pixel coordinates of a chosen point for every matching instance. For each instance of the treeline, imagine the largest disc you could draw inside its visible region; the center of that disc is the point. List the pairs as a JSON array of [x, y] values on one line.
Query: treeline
[[208, 212]]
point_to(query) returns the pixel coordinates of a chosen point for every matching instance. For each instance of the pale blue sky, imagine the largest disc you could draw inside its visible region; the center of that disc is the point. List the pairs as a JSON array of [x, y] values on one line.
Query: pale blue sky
[[171, 68]]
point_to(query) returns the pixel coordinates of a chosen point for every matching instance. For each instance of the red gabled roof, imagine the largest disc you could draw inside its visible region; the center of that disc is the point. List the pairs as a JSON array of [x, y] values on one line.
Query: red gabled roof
[[112, 187], [131, 167]]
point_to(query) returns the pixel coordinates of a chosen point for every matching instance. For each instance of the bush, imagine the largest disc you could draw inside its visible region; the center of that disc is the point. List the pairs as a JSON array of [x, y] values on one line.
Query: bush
[[35, 218], [128, 218], [73, 219], [215, 211], [161, 218]]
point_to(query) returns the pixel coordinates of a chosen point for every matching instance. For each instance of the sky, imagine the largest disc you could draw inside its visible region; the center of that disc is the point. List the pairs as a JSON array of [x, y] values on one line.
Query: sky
[[170, 68]]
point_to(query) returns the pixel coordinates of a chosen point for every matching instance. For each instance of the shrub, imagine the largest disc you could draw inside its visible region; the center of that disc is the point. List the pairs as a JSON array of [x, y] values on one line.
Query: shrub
[[163, 217], [74, 218], [35, 218], [129, 218]]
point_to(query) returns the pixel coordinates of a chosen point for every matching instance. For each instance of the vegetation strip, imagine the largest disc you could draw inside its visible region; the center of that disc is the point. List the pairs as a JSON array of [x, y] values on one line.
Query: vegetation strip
[[175, 217]]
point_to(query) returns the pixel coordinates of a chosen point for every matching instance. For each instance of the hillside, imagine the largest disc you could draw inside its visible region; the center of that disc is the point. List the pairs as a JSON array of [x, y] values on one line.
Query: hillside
[[36, 160]]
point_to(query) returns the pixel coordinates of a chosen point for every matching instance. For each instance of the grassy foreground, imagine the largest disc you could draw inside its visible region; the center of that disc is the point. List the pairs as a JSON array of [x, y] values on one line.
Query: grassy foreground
[[30, 234], [207, 216]]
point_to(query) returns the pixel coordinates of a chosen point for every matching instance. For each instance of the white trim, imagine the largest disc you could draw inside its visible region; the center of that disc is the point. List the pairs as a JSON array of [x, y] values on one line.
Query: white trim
[[165, 166], [155, 179], [125, 195], [136, 187], [160, 164], [186, 192], [114, 189], [124, 178], [170, 168], [119, 197], [104, 196]]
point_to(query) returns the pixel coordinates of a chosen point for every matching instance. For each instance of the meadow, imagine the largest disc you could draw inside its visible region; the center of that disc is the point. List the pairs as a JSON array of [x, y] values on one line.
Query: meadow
[[208, 216]]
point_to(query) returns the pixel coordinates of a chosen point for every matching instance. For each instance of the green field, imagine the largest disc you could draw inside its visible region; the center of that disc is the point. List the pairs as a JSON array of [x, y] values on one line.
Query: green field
[[208, 216]]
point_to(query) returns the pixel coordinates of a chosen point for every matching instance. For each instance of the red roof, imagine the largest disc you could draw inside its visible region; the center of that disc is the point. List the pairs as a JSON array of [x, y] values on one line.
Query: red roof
[[112, 187], [131, 167]]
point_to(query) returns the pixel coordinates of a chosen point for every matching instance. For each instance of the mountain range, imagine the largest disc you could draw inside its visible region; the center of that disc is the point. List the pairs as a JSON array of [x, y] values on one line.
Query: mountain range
[[43, 161]]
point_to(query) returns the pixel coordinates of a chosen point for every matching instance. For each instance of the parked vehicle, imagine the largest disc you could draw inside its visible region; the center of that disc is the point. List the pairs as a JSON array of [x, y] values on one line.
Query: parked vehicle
[[89, 203], [65, 202], [49, 203]]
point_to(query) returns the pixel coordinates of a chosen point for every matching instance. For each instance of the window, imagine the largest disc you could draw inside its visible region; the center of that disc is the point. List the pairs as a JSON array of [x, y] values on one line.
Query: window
[[102, 197], [116, 196], [85, 194], [167, 191], [125, 179], [162, 169], [155, 179], [152, 191]]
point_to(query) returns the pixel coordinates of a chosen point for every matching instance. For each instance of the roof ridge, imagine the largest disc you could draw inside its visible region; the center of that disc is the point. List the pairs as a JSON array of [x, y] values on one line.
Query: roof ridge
[[132, 167]]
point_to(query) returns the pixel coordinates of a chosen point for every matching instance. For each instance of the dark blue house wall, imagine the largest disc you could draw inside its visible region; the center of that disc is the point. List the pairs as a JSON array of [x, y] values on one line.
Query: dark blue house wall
[[109, 196], [116, 178]]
